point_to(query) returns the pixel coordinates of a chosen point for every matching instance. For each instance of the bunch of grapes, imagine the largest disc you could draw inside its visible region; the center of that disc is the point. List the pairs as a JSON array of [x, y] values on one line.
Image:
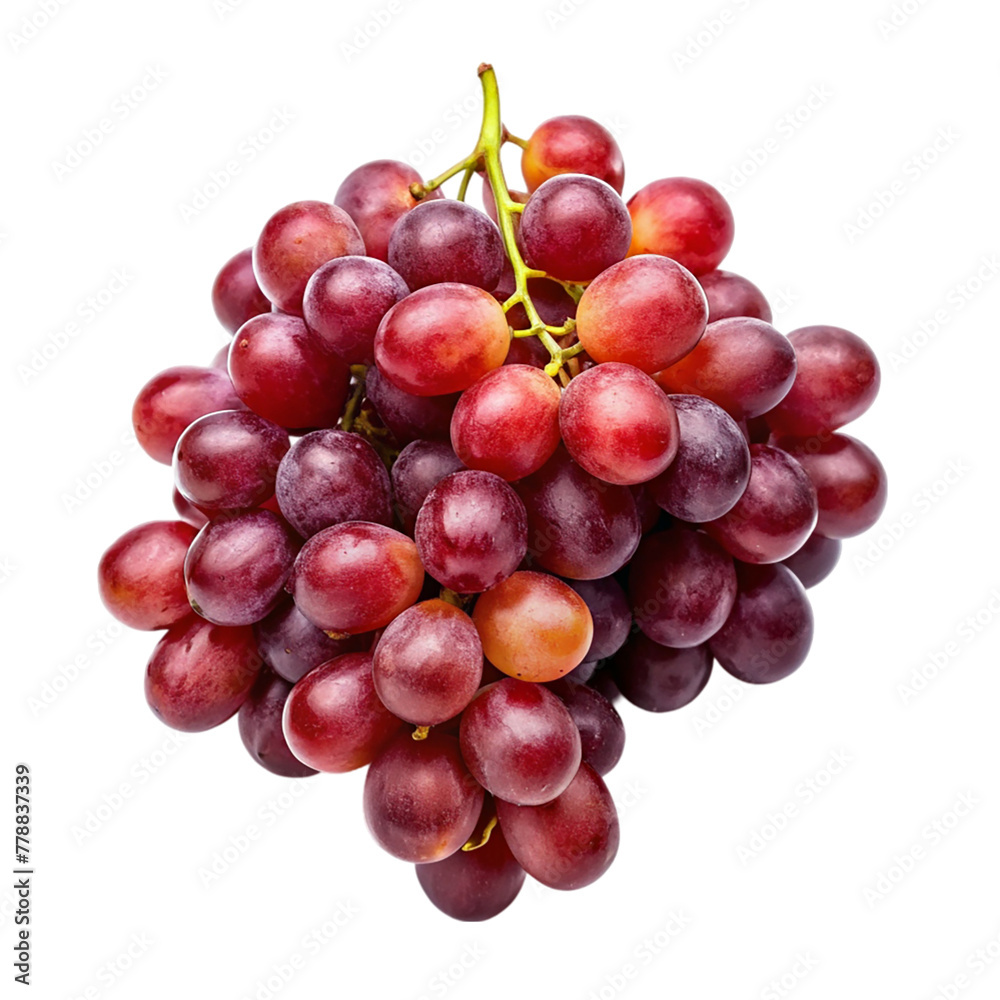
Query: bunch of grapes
[[463, 477]]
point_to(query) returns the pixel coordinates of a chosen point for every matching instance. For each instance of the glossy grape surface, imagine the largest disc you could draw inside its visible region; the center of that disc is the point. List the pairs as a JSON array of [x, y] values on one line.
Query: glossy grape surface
[[815, 561], [602, 733], [421, 465], [260, 727], [236, 296], [408, 417], [611, 614], [572, 144], [658, 678], [731, 294]]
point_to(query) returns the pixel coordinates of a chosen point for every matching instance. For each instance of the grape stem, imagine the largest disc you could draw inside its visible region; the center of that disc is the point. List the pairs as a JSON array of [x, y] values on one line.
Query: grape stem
[[354, 403], [486, 156], [484, 838]]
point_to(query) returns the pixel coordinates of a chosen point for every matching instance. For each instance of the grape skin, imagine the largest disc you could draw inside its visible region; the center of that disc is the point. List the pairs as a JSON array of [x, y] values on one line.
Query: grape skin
[[602, 734], [659, 678], [572, 144], [815, 561], [236, 296], [260, 727], [421, 465], [731, 294]]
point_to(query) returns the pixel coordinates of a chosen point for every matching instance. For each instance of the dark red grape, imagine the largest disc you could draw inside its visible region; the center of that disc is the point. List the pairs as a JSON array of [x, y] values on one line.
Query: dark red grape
[[333, 720], [283, 371], [141, 575], [712, 467], [568, 842], [609, 609], [229, 460], [330, 476], [295, 241], [837, 379], [682, 586], [291, 645], [646, 311], [578, 526], [602, 734], [743, 365], [471, 531], [645, 506], [236, 568], [447, 240], [200, 674], [776, 513], [428, 663], [815, 561], [850, 481], [345, 301], [658, 678], [236, 296], [574, 227], [376, 196], [174, 399], [770, 630], [409, 417], [188, 511], [618, 424], [356, 577], [508, 422], [572, 144], [731, 294], [260, 727], [421, 465], [684, 219], [519, 742], [421, 803]]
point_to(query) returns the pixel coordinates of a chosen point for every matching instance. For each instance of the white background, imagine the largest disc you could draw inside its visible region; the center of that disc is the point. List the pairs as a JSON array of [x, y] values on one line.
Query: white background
[[694, 786]]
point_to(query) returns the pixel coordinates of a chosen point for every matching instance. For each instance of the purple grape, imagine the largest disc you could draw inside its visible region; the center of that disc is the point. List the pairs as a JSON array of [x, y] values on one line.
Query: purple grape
[[815, 561], [609, 608], [410, 417], [658, 678], [602, 733], [421, 465], [260, 727]]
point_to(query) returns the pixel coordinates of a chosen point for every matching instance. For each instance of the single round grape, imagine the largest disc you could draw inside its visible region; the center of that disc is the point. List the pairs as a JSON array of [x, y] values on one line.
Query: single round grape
[[815, 561], [294, 242], [447, 240], [141, 575], [646, 311], [260, 727], [333, 719], [682, 586], [578, 526], [376, 196], [408, 417], [837, 378], [442, 339], [851, 484], [520, 742], [188, 511], [602, 733], [428, 663], [471, 531], [776, 513], [345, 301], [743, 365], [712, 467], [533, 626], [330, 476], [554, 305], [731, 294], [477, 884], [356, 577], [684, 219], [602, 680], [283, 372], [658, 678], [421, 465], [235, 570], [236, 296], [508, 422], [574, 227], [568, 842], [572, 144], [421, 803], [618, 424], [291, 645], [171, 401], [229, 460], [200, 674], [612, 617], [770, 630]]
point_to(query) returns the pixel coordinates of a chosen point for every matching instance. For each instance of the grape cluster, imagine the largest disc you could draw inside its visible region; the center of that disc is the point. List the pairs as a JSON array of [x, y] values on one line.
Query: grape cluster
[[461, 478]]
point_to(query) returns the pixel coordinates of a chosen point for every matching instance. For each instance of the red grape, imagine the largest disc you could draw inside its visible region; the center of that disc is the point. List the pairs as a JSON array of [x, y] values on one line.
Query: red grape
[[442, 339], [602, 734], [356, 577], [731, 294], [409, 417], [568, 842], [421, 465], [333, 720], [141, 575], [646, 311], [609, 609], [420, 801], [572, 144], [236, 296], [618, 424], [815, 561], [295, 241], [658, 678], [260, 727], [200, 674], [508, 422], [188, 511], [682, 218], [428, 663]]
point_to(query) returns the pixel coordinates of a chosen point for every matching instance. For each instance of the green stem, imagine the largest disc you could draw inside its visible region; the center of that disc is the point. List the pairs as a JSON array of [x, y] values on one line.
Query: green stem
[[354, 403]]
